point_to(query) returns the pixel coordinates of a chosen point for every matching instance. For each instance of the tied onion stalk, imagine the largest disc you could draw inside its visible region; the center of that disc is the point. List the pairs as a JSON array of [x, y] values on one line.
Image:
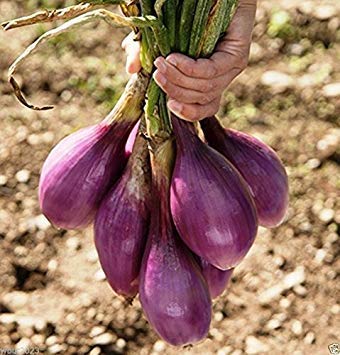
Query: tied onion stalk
[[82, 167], [121, 223], [173, 292], [210, 203], [259, 165]]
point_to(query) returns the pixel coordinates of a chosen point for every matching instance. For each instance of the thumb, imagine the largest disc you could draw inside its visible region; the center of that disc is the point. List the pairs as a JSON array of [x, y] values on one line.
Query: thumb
[[132, 50]]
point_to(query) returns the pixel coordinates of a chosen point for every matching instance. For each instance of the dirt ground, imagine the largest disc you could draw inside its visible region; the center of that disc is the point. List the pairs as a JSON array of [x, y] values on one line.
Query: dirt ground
[[282, 298]]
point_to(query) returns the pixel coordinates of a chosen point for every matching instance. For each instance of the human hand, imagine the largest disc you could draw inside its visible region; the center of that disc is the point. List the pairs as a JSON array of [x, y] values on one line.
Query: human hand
[[195, 87]]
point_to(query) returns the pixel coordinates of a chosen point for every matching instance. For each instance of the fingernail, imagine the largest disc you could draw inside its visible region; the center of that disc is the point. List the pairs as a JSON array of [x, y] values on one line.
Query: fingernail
[[159, 63], [175, 106], [159, 78], [172, 60]]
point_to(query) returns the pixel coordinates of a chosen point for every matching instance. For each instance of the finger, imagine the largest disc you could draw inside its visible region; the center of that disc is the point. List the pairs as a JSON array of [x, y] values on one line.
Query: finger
[[179, 79], [183, 95], [195, 68], [132, 50], [193, 112]]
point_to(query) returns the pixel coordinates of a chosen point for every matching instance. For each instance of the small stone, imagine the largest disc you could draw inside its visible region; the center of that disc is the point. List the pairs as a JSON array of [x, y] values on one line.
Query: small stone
[[270, 294], [320, 256], [48, 137], [273, 324], [99, 275], [33, 139], [309, 338], [326, 215], [95, 351], [56, 349], [103, 339], [51, 340], [255, 346], [22, 347], [226, 350], [52, 265], [295, 278], [237, 352], [73, 243], [324, 12], [297, 327], [23, 176], [3, 180], [331, 90], [300, 290], [335, 309], [92, 256], [20, 250], [15, 300], [256, 53], [296, 49], [285, 303], [277, 80], [7, 318], [313, 163], [41, 222], [159, 346], [38, 339], [218, 316], [95, 331], [121, 343]]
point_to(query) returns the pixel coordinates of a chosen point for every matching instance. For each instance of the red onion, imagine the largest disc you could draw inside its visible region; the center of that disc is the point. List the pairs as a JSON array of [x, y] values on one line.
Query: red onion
[[173, 292], [258, 164], [210, 203], [82, 167], [121, 224], [217, 279]]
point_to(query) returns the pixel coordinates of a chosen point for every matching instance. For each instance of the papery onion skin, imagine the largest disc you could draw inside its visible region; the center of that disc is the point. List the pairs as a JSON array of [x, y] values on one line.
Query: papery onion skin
[[259, 165], [122, 222], [173, 292], [211, 205], [82, 167], [217, 279]]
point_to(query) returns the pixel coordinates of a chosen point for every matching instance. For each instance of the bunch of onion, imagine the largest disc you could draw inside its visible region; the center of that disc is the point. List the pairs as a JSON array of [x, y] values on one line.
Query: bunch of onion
[[173, 215]]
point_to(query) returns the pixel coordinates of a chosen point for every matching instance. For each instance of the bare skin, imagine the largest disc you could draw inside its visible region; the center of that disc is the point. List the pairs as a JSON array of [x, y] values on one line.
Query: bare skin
[[195, 87]]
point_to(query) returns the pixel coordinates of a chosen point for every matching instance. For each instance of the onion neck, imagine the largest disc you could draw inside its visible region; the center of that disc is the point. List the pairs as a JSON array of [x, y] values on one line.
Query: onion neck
[[185, 133]]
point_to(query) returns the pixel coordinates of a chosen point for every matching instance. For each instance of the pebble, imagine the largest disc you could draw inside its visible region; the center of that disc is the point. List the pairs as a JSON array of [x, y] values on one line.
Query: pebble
[[3, 180], [15, 300], [335, 309], [33, 139], [331, 90], [296, 327], [38, 339], [326, 215], [121, 343], [159, 346], [255, 346], [57, 349], [23, 176], [99, 275], [95, 351], [95, 331], [278, 81], [285, 303], [103, 339], [73, 243], [51, 340], [300, 290], [324, 12], [320, 256], [23, 346], [293, 279], [41, 222], [313, 163], [309, 338], [273, 324], [226, 350], [218, 316], [256, 52], [92, 256], [52, 265]]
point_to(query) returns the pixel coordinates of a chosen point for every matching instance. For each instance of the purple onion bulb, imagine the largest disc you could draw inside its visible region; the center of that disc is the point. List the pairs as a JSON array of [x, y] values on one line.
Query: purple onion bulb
[[259, 165], [122, 222], [173, 292], [211, 205], [83, 166]]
